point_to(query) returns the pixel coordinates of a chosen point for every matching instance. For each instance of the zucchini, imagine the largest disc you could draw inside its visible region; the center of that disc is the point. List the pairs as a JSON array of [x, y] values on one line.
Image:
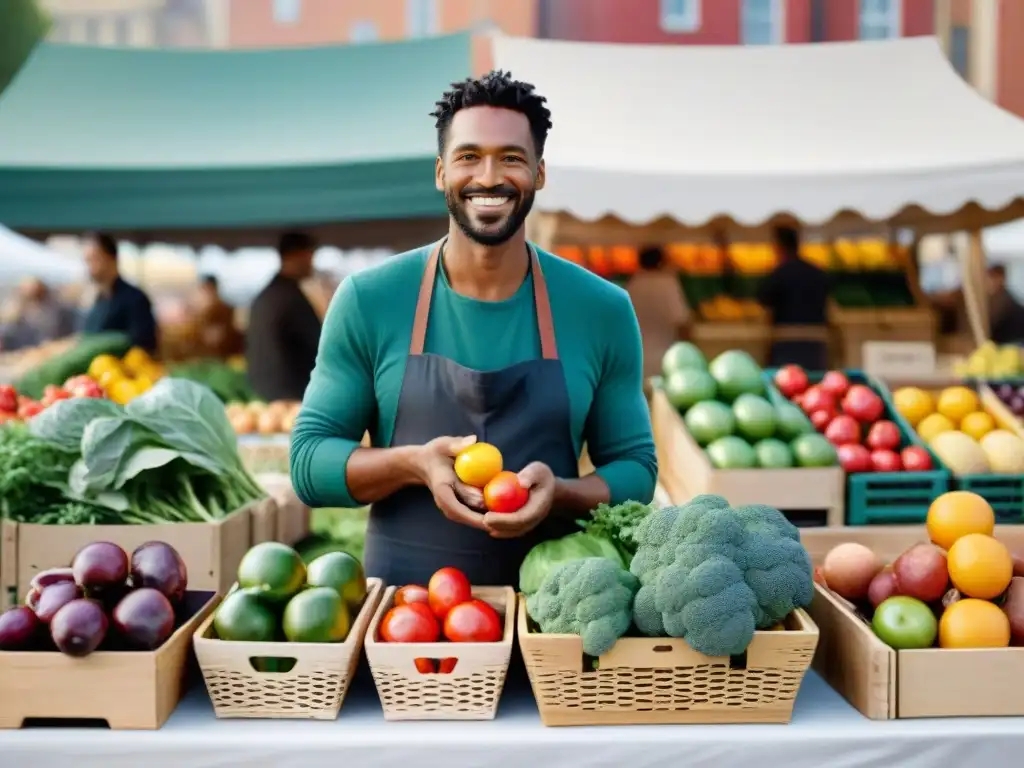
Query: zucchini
[[73, 362]]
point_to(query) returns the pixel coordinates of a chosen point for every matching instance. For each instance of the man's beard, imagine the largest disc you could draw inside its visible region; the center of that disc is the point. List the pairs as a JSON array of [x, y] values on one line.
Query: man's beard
[[458, 205]]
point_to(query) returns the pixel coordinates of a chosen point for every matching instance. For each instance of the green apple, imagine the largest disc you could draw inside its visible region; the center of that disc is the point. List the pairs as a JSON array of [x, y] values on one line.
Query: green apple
[[904, 623]]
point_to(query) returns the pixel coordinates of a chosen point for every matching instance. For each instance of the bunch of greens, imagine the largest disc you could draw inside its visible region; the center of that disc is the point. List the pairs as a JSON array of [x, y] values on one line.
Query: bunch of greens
[[170, 455], [618, 523]]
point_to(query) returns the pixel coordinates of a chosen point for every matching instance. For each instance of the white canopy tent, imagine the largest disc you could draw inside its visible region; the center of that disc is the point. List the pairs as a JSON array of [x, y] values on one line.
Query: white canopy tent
[[21, 257], [839, 136]]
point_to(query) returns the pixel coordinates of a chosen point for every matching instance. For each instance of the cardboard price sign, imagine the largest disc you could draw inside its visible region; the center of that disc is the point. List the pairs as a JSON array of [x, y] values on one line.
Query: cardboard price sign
[[898, 359]]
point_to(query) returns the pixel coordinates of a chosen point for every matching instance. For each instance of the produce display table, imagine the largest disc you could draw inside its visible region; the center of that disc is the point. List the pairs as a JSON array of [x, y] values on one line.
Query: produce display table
[[825, 731]]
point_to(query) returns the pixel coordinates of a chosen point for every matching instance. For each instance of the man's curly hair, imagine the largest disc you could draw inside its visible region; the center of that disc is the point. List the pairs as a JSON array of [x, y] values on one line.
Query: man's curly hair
[[495, 89]]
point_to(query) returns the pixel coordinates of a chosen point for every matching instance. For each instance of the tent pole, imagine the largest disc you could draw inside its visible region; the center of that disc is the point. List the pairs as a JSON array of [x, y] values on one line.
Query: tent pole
[[973, 282]]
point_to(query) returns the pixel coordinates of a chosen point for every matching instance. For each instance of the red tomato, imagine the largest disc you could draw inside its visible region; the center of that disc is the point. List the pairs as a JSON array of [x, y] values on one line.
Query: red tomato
[[836, 383], [447, 666], [821, 419], [854, 458], [83, 386], [791, 380], [504, 493], [473, 622], [425, 666], [447, 588], [818, 399], [29, 409], [863, 404], [411, 593], [843, 430], [885, 461], [52, 394], [916, 459], [405, 624], [883, 436], [8, 399], [422, 608]]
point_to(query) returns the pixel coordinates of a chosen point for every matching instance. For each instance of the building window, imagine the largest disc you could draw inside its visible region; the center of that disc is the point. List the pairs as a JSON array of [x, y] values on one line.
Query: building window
[[680, 15], [880, 19], [420, 18], [122, 31], [93, 30], [762, 23], [959, 49], [287, 11], [363, 32]]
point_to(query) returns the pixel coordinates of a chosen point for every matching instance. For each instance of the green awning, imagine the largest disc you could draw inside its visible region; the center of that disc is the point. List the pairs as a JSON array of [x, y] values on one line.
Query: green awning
[[135, 140]]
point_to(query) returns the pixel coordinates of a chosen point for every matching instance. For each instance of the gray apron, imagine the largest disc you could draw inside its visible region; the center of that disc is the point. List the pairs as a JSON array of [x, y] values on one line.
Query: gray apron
[[522, 409]]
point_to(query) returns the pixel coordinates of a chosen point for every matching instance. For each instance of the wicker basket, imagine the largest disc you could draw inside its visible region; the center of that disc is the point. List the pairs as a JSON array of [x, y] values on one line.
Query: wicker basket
[[471, 690], [314, 688], [663, 680]]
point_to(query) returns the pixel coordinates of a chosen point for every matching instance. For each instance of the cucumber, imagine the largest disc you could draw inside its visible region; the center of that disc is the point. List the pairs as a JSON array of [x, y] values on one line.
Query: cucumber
[[73, 362]]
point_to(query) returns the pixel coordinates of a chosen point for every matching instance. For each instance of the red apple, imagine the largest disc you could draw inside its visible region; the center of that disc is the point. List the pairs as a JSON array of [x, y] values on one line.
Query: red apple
[[922, 572], [836, 383], [843, 430], [863, 404], [882, 587], [916, 459], [885, 461], [821, 419], [854, 458], [883, 435], [818, 399], [791, 380]]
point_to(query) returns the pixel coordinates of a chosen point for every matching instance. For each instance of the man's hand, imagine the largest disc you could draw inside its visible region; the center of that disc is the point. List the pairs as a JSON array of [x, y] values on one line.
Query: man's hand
[[436, 468], [539, 480]]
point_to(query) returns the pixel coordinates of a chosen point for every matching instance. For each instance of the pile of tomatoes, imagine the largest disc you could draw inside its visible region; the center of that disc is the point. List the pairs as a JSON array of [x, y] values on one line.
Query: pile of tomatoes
[[15, 407], [481, 466], [443, 610]]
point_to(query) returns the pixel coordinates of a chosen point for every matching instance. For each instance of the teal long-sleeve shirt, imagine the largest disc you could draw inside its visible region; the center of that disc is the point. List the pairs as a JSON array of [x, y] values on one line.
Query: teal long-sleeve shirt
[[364, 346]]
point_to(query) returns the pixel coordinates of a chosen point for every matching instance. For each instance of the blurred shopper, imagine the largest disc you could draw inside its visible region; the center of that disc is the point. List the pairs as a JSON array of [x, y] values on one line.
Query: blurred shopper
[[35, 316], [1006, 315], [215, 319], [660, 307], [119, 305], [796, 293], [284, 329]]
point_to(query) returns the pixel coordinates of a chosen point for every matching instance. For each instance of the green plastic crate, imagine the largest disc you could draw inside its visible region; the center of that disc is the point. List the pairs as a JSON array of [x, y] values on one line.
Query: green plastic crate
[[887, 498]]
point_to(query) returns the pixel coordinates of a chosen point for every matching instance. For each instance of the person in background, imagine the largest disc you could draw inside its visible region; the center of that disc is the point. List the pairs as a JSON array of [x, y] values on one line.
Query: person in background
[[660, 307], [215, 318], [34, 317], [119, 305], [1006, 315], [284, 329], [796, 293]]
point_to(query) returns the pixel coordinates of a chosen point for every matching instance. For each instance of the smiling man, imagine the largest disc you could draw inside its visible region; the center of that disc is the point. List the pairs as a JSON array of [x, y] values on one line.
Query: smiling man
[[480, 337]]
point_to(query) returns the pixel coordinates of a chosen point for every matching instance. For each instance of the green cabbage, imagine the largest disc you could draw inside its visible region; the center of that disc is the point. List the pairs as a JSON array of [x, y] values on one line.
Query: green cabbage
[[548, 554]]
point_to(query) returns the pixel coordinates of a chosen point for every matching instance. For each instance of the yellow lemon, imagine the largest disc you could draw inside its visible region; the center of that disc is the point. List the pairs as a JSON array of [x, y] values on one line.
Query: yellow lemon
[[977, 424], [913, 404], [136, 359], [123, 391], [107, 378], [103, 364], [956, 402], [934, 425]]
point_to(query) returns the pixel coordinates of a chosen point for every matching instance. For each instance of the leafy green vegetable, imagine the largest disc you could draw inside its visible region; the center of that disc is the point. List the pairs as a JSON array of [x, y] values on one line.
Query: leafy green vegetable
[[64, 422], [546, 556], [618, 524]]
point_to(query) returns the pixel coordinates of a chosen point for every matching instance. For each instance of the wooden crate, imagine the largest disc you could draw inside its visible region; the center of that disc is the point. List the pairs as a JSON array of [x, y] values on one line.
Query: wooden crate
[[684, 470], [211, 551], [313, 688], [130, 690], [715, 337], [645, 680], [853, 327], [8, 565], [885, 684], [471, 691]]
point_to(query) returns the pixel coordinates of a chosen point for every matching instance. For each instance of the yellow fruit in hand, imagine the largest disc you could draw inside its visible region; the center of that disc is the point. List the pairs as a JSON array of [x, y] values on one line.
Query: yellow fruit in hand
[[977, 424], [956, 402], [913, 404], [933, 425], [478, 464]]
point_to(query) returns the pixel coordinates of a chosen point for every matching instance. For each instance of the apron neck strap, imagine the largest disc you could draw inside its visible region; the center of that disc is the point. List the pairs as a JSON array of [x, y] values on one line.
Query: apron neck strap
[[541, 300]]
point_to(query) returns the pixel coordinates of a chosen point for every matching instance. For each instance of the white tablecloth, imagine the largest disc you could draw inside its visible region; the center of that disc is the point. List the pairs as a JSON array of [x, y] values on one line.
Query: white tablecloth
[[825, 733]]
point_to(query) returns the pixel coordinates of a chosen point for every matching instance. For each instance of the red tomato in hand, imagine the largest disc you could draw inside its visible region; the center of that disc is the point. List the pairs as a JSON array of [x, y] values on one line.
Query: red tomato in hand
[[843, 430], [916, 459], [447, 588], [883, 436], [411, 593], [473, 622], [504, 493], [8, 399], [791, 380], [405, 624]]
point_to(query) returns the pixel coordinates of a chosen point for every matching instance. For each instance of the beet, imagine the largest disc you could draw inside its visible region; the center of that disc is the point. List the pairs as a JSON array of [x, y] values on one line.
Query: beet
[[44, 579], [55, 597], [144, 619], [100, 566], [18, 628], [79, 627], [158, 566]]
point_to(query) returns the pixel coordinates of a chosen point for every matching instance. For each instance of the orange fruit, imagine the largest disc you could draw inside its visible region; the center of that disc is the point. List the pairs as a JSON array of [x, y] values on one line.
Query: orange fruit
[[478, 464], [980, 566], [972, 623], [956, 514]]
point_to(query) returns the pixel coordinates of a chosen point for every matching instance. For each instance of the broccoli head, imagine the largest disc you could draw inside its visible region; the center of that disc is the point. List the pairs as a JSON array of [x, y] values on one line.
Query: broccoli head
[[591, 597], [712, 574]]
